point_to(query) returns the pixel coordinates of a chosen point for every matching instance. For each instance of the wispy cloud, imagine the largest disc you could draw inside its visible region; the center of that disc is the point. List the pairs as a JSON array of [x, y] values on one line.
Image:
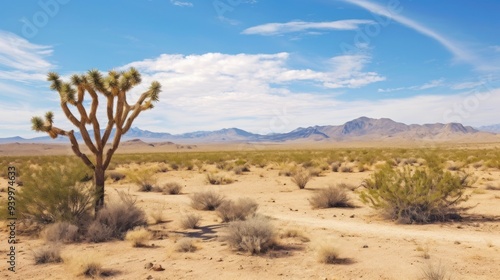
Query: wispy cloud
[[299, 26], [459, 51], [181, 3], [428, 85], [468, 85], [18, 54]]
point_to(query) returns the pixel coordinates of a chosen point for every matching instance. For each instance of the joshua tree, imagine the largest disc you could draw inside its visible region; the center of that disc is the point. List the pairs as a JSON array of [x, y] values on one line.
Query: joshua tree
[[120, 115]]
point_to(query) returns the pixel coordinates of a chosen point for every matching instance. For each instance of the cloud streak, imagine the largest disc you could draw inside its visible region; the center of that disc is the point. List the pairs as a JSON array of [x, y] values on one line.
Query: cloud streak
[[19, 54], [269, 29], [428, 85], [459, 52], [181, 3]]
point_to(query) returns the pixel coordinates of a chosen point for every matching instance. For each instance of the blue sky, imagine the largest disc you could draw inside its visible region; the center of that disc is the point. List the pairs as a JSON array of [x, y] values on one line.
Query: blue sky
[[263, 66]]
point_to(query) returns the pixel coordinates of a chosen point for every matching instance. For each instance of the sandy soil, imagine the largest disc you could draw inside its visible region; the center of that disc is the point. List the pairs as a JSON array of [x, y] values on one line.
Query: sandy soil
[[374, 248]]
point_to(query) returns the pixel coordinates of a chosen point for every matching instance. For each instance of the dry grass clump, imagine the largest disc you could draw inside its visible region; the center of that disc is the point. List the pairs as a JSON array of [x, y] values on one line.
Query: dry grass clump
[[47, 254], [333, 196], [454, 166], [314, 171], [231, 211], [239, 169], [431, 272], [115, 175], [157, 215], [138, 237], [190, 221], [478, 164], [172, 188], [288, 170], [144, 178], [294, 233], [493, 188], [328, 254], [60, 232], [185, 245], [254, 235], [346, 169], [300, 178], [218, 179], [207, 200], [115, 219], [336, 166], [87, 266]]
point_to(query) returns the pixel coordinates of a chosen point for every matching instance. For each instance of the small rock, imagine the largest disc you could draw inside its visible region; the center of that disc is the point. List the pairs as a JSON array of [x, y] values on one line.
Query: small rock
[[148, 265], [157, 267], [352, 216], [365, 246], [149, 277]]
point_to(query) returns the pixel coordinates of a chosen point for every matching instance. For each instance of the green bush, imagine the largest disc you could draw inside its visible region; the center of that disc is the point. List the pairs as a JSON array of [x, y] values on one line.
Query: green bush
[[422, 195], [53, 192]]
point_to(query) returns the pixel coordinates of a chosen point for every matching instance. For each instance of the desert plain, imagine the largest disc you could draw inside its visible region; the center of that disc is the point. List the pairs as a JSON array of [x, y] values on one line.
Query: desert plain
[[369, 246]]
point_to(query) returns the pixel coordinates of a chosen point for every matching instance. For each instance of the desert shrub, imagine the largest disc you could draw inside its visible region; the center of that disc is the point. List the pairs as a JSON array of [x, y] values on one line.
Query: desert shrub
[[185, 245], [294, 233], [190, 221], [53, 192], [60, 232], [47, 254], [314, 171], [138, 237], [157, 215], [144, 178], [218, 179], [231, 211], [333, 196], [97, 232], [87, 266], [328, 254], [431, 272], [254, 235], [300, 178], [174, 166], [207, 200], [115, 175], [288, 171], [454, 166], [116, 218], [335, 166], [478, 164], [239, 169], [493, 187], [421, 195], [345, 169], [172, 188]]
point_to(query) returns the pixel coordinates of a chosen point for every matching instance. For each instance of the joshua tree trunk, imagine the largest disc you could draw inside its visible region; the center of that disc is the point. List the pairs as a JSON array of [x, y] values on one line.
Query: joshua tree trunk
[[120, 116], [99, 187]]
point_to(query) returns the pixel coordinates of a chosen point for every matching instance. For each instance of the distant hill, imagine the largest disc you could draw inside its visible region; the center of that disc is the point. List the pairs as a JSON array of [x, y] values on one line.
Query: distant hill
[[362, 128], [494, 128]]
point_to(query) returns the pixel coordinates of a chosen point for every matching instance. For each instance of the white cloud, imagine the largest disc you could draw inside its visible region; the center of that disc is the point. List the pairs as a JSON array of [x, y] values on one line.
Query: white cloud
[[298, 26], [460, 52], [468, 85], [18, 54], [210, 91], [432, 84], [428, 85], [181, 3]]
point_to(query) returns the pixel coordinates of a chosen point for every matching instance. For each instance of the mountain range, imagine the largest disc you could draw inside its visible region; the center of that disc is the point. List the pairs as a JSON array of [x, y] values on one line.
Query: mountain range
[[361, 129]]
